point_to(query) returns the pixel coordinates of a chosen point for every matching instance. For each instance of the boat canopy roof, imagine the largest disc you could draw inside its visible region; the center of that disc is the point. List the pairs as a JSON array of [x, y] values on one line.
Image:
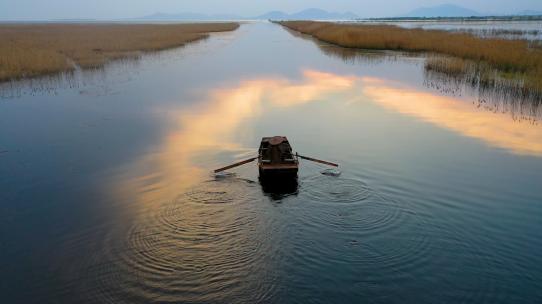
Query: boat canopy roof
[[275, 140]]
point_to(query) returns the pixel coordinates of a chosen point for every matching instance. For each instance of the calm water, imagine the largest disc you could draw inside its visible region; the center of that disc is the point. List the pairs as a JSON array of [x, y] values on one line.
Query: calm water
[[530, 30], [107, 197]]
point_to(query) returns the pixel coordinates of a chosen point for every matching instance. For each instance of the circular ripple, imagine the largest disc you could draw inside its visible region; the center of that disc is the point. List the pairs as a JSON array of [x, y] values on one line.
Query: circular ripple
[[365, 221], [225, 250], [328, 189], [222, 191], [198, 248]]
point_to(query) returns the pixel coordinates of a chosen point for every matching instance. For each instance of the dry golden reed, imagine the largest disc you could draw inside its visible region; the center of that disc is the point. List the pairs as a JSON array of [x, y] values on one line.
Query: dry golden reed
[[511, 58], [28, 50]]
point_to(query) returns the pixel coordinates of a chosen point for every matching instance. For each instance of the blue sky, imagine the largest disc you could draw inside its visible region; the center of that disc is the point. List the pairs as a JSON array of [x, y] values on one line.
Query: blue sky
[[108, 9]]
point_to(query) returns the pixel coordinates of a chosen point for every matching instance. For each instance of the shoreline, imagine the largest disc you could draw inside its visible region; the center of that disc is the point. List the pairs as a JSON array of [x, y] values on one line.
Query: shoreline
[[509, 64], [34, 50]]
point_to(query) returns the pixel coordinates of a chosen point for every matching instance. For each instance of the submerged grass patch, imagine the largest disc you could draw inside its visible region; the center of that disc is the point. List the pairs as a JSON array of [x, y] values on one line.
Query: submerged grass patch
[[504, 62], [28, 50]]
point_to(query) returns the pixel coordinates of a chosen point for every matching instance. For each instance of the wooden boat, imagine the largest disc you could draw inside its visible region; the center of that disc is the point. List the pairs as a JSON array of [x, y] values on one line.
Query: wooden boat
[[276, 161]]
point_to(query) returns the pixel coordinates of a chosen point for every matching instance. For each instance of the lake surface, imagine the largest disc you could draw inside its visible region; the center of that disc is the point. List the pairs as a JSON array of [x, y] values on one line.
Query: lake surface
[[107, 196], [530, 30]]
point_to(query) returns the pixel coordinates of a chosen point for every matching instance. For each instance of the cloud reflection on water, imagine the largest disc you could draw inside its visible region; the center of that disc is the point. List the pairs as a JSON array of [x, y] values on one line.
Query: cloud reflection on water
[[495, 129], [214, 125], [200, 230]]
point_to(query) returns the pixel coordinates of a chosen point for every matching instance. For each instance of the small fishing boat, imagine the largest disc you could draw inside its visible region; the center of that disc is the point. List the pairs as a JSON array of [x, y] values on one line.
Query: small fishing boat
[[276, 160]]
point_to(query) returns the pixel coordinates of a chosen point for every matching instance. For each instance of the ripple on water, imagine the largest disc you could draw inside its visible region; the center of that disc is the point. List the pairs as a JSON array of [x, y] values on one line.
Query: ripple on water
[[222, 191], [334, 189], [217, 243], [331, 172], [384, 241], [202, 247], [361, 210]]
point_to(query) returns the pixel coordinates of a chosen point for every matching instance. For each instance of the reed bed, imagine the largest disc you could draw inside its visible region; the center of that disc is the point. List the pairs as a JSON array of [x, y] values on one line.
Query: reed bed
[[491, 59], [28, 50], [498, 32]]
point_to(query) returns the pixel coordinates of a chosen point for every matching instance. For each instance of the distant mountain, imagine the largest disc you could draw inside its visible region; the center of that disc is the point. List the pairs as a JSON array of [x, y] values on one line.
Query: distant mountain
[[318, 14], [189, 16], [308, 14], [444, 10]]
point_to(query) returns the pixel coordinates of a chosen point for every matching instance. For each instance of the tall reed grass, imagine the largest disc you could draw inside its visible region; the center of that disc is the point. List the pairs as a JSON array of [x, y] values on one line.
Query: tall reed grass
[[28, 50], [512, 59]]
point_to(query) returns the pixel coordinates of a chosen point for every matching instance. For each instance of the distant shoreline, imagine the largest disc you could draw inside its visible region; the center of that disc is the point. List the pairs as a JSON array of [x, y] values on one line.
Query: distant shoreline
[[150, 20], [455, 19]]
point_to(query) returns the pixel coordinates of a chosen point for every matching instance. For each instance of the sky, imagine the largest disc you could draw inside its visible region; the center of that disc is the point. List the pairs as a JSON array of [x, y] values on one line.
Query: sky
[[112, 9]]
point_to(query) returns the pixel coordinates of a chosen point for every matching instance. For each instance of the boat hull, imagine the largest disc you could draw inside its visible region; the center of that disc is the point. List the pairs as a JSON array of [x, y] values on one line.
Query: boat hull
[[279, 182], [278, 173]]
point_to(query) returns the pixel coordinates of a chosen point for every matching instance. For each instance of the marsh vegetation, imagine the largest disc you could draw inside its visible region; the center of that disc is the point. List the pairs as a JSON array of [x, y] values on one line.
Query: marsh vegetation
[[28, 50], [514, 65], [497, 98]]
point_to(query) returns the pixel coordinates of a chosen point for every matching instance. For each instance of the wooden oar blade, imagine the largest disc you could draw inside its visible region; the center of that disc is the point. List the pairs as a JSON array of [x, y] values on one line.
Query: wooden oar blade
[[246, 161], [317, 160]]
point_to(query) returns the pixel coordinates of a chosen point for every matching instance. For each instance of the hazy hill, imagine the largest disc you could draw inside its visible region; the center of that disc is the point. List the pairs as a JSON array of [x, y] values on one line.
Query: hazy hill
[[318, 14], [189, 16], [444, 10], [308, 14]]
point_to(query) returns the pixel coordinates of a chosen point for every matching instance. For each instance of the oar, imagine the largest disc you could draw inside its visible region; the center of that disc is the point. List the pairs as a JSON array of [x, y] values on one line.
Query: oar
[[246, 161], [317, 160]]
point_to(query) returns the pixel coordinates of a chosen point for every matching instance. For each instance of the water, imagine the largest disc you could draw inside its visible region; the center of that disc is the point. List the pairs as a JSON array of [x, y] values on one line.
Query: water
[[530, 30], [107, 195]]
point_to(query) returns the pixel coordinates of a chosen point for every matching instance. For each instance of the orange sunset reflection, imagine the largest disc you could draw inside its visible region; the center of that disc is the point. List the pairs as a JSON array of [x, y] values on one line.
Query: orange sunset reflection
[[185, 155], [212, 125], [495, 129]]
